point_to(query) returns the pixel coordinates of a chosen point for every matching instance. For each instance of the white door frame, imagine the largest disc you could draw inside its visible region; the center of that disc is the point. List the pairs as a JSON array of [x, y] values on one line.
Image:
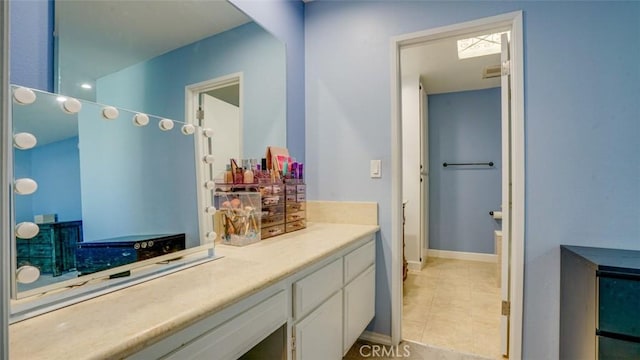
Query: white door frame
[[191, 102], [512, 21]]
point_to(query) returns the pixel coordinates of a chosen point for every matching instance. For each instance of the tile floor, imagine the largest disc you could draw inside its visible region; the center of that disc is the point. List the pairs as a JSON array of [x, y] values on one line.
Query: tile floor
[[407, 350], [454, 304]]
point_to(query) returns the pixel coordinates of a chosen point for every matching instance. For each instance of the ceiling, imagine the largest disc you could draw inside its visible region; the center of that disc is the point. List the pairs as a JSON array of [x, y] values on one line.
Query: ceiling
[[440, 69], [99, 37]]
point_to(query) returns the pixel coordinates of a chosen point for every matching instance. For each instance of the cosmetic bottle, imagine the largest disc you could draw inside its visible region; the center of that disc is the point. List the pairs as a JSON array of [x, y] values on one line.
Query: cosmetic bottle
[[228, 175], [248, 172]]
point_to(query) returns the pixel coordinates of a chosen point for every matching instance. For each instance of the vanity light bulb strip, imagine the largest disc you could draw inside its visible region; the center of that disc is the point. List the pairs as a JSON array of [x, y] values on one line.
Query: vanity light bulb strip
[[24, 141], [27, 230], [140, 119], [27, 274], [188, 129], [110, 113], [207, 132], [25, 186], [165, 124], [24, 96], [71, 106], [208, 159]]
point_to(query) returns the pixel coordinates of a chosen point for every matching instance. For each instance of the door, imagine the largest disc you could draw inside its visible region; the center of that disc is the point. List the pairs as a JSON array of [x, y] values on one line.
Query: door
[[506, 192], [224, 119], [412, 139]]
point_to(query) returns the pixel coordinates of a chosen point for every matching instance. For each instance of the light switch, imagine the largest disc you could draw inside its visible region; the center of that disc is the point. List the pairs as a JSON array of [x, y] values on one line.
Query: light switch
[[375, 169]]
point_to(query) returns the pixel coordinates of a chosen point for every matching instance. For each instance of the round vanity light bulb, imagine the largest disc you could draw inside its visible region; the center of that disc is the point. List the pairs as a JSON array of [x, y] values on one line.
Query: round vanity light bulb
[[71, 106], [110, 112], [27, 274], [208, 159], [24, 141], [24, 96], [25, 186], [27, 230], [211, 235], [165, 124], [209, 185], [188, 129], [207, 132], [140, 119], [211, 210]]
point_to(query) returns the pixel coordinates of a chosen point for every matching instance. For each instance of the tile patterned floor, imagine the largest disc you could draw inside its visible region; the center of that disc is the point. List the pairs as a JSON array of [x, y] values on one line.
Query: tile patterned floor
[[454, 304], [405, 350]]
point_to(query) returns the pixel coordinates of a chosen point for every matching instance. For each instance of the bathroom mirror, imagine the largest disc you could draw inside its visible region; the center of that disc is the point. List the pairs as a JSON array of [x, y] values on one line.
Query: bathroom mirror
[[107, 162]]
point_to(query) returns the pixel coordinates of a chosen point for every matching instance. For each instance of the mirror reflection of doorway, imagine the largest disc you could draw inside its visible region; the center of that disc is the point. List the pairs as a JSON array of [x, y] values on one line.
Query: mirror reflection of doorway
[[221, 112], [215, 104]]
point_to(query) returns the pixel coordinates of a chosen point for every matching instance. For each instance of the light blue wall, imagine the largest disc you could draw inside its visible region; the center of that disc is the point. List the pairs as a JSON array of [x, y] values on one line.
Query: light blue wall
[[582, 85], [58, 163], [23, 205], [285, 20], [464, 127], [157, 86], [31, 42]]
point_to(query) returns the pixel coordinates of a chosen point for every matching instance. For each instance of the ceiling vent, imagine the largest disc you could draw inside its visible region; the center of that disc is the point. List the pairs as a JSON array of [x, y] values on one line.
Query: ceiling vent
[[491, 71]]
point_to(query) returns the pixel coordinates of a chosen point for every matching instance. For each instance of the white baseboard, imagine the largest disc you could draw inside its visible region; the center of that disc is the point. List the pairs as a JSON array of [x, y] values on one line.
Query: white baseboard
[[461, 255], [414, 265], [376, 338]]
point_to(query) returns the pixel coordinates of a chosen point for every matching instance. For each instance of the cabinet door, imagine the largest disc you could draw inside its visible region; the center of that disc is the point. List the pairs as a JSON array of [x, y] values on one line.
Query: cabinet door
[[319, 335], [359, 306]]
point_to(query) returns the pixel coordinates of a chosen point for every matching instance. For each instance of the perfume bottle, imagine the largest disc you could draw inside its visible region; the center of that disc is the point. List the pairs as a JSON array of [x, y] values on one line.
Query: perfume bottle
[[228, 175], [248, 173]]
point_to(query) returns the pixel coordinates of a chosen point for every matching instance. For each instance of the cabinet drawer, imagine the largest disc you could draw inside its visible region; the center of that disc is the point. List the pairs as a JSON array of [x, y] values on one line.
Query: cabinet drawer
[[300, 215], [296, 225], [619, 304], [236, 336], [358, 260], [316, 287], [270, 231], [359, 306]]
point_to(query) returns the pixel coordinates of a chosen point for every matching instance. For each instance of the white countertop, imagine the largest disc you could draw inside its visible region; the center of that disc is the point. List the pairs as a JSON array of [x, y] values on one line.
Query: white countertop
[[123, 322]]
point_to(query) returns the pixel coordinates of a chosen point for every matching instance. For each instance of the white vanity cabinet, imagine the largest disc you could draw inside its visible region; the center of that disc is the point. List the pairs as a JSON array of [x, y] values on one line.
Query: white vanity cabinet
[[346, 291], [359, 292], [324, 308]]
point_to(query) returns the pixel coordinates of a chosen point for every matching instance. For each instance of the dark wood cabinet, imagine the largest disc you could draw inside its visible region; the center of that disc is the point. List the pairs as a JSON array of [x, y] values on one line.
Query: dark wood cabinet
[[599, 303], [53, 250]]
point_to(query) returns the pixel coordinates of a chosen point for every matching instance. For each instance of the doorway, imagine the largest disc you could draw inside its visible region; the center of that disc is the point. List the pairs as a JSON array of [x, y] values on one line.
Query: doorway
[[217, 105], [513, 150]]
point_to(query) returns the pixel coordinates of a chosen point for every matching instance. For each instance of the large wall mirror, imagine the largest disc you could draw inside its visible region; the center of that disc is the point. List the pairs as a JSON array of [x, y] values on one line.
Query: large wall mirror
[[110, 178]]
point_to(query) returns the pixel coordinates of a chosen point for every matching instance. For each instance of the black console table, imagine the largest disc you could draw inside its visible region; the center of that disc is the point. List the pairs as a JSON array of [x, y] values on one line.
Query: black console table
[[53, 250], [599, 303], [93, 256]]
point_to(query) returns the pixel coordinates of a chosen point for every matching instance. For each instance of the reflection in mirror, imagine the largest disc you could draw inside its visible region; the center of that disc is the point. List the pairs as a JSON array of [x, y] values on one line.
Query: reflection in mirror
[[103, 176], [94, 190], [143, 60]]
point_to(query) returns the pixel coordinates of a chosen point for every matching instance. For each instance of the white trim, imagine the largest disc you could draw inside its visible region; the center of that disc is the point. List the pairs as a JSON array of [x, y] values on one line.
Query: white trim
[[461, 255], [512, 21], [191, 94], [376, 338], [6, 173], [396, 197], [415, 265], [517, 189]]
